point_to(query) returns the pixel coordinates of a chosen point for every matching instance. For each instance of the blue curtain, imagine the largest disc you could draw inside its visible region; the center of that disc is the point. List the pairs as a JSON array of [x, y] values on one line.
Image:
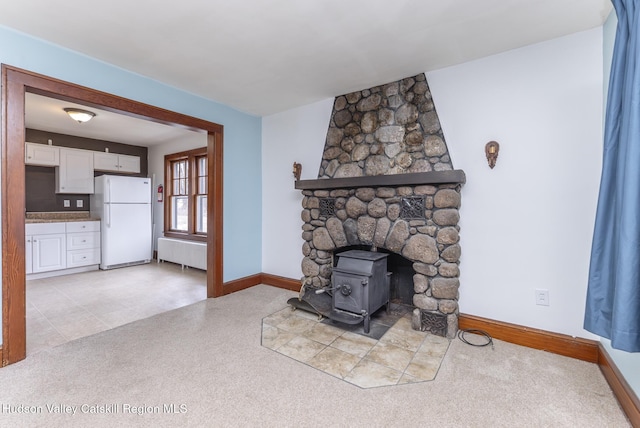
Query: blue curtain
[[613, 294]]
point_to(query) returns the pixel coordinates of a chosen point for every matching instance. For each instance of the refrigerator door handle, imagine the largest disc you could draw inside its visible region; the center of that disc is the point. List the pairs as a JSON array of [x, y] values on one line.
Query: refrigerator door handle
[[107, 215], [109, 210]]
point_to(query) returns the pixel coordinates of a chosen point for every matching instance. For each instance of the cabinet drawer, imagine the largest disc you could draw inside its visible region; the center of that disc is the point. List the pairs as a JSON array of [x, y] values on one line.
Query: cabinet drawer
[[76, 258], [79, 241], [43, 228], [83, 226]]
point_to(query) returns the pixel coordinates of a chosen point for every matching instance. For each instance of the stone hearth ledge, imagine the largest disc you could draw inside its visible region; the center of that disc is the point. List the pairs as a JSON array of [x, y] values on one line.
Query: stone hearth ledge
[[407, 179]]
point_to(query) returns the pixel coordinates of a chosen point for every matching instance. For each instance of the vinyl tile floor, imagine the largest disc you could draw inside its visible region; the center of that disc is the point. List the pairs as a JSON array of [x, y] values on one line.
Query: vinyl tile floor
[[65, 308], [391, 354]]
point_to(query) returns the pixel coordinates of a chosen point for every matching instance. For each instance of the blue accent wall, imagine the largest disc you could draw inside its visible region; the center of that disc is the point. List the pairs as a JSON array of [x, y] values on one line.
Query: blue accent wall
[[242, 133]]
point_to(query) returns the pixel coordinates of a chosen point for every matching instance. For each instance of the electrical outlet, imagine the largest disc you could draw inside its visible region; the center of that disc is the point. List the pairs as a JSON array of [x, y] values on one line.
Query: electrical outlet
[[79, 203], [67, 203], [542, 297]]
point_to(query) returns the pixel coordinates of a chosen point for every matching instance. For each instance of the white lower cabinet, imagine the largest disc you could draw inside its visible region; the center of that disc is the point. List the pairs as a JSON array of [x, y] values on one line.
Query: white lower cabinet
[[46, 245], [58, 246], [49, 252]]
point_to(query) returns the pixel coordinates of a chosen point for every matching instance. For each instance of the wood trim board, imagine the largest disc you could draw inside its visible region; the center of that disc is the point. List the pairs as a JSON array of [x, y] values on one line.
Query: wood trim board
[[281, 282], [260, 278], [624, 394], [561, 344], [241, 284], [414, 178]]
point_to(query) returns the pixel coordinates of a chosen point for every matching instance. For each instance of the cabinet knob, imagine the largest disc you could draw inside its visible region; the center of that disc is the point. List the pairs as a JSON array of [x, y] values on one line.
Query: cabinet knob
[[84, 240]]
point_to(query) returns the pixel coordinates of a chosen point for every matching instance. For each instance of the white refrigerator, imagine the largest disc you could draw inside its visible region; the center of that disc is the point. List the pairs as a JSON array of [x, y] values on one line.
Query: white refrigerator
[[123, 205]]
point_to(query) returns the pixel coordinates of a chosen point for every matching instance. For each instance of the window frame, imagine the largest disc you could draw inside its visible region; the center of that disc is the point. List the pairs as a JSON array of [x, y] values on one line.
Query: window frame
[[191, 156]]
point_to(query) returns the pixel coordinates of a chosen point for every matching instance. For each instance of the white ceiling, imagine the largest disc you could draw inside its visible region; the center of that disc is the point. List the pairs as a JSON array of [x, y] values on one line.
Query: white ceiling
[[263, 57], [47, 114]]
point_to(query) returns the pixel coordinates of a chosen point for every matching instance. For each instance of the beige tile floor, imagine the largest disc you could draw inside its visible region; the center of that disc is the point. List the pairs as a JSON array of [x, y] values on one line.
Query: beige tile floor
[[400, 355], [64, 308]]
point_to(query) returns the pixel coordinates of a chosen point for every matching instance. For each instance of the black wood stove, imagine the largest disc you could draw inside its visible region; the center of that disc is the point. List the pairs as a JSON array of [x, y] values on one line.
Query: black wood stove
[[360, 285]]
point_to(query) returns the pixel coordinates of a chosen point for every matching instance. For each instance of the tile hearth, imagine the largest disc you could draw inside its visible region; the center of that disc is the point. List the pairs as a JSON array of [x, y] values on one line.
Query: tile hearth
[[391, 354]]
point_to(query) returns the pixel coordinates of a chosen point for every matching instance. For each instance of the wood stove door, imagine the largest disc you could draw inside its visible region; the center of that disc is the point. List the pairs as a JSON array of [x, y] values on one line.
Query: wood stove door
[[349, 292]]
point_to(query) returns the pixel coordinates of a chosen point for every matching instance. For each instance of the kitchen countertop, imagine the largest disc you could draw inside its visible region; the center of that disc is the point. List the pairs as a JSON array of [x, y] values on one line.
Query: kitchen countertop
[[57, 217]]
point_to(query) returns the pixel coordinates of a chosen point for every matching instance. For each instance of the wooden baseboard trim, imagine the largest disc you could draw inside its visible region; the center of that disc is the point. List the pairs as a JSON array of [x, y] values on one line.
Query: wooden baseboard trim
[[241, 284], [281, 282], [260, 278], [569, 346], [626, 397]]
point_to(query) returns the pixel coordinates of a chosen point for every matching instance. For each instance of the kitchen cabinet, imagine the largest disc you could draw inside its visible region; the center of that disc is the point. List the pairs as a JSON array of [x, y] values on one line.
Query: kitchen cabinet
[[46, 247], [61, 245], [116, 163], [75, 173], [41, 154], [83, 243]]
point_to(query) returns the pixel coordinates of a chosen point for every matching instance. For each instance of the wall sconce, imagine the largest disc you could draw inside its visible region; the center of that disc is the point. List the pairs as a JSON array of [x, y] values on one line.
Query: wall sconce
[[80, 115], [297, 170], [491, 149]]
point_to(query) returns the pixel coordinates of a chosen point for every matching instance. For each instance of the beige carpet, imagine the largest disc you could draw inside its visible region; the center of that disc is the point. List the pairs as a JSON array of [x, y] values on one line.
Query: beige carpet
[[203, 365]]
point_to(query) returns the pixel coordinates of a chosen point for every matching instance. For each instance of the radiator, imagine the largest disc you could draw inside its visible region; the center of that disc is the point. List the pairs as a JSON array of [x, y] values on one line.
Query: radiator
[[185, 253]]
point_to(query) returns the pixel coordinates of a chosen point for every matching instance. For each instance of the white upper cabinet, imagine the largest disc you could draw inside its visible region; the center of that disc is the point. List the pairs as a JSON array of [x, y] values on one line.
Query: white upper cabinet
[[129, 164], [75, 173], [45, 155], [116, 163], [41, 154]]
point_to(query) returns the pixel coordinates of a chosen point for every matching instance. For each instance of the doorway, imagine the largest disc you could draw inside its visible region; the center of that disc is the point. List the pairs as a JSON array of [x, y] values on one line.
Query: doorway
[[15, 84]]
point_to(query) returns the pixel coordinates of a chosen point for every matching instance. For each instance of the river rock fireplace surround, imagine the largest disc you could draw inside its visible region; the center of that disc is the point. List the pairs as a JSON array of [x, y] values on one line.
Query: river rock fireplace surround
[[386, 183]]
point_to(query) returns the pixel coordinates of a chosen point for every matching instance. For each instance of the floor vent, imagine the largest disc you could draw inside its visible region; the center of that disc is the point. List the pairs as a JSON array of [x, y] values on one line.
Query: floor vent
[[435, 323]]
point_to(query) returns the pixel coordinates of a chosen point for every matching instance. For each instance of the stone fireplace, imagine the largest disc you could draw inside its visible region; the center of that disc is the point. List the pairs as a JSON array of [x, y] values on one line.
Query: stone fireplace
[[386, 183]]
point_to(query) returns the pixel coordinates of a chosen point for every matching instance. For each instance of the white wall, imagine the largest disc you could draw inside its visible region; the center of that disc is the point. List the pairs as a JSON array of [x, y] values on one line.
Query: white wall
[[156, 172], [527, 223], [297, 135]]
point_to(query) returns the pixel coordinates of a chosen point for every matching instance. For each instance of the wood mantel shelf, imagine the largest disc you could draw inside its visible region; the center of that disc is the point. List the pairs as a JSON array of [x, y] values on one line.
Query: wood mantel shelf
[[394, 180]]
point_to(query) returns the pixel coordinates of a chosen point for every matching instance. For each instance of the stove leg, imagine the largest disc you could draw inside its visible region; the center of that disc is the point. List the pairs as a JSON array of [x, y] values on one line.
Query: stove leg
[[366, 323]]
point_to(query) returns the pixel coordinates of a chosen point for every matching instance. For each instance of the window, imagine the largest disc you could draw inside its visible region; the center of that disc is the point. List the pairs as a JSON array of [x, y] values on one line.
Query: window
[[185, 214]]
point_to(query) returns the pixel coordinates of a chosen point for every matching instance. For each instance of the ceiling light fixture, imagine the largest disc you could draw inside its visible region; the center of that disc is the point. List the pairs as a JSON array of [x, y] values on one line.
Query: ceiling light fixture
[[80, 115]]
